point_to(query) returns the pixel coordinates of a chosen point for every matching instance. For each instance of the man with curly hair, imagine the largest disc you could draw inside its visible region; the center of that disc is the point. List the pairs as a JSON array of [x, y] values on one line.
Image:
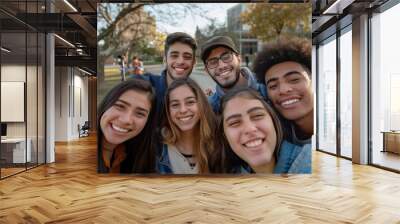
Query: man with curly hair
[[284, 66]]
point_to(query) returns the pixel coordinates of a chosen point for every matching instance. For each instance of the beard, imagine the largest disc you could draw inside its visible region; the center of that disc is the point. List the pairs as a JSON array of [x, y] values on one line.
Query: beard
[[229, 84]]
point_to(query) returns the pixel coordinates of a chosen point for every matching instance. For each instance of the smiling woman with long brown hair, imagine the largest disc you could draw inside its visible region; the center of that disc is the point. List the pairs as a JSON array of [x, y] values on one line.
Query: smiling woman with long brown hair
[[125, 133], [189, 130]]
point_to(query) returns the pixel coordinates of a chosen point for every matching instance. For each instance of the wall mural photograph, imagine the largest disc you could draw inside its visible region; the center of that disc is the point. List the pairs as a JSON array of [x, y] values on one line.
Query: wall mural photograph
[[204, 88]]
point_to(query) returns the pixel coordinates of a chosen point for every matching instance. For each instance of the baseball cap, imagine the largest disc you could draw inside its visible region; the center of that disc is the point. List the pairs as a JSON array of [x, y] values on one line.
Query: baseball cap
[[217, 41]]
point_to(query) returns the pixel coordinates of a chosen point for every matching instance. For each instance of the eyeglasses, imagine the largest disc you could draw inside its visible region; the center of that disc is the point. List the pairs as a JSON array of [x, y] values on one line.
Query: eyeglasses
[[225, 57]]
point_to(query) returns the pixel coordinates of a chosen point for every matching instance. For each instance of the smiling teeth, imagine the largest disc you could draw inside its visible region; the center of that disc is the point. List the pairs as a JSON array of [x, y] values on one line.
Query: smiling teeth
[[119, 129], [253, 143], [179, 69], [288, 102], [224, 73], [185, 118]]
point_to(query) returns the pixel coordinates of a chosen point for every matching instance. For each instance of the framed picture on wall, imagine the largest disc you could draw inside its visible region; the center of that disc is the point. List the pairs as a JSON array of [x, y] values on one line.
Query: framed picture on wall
[[164, 72], [12, 101]]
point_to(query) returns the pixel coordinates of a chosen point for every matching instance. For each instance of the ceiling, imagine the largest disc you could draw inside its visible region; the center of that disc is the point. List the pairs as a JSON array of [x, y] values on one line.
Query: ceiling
[[330, 15], [74, 21]]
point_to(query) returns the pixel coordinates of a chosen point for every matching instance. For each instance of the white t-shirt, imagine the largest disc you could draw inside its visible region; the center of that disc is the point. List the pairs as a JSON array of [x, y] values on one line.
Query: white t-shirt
[[179, 163]]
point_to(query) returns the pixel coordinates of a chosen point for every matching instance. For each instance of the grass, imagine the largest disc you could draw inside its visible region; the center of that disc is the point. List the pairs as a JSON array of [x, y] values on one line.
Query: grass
[[111, 71]]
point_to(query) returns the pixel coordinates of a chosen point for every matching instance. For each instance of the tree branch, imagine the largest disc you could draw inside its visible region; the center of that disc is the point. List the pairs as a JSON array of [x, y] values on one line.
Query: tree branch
[[125, 11]]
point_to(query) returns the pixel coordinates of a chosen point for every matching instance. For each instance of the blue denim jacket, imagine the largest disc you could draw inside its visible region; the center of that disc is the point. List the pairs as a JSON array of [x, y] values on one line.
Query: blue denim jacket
[[294, 159], [163, 165], [215, 99]]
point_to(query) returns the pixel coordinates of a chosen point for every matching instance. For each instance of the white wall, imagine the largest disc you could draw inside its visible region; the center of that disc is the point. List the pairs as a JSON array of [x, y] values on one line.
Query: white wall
[[71, 93], [15, 72], [61, 103], [80, 110], [33, 126]]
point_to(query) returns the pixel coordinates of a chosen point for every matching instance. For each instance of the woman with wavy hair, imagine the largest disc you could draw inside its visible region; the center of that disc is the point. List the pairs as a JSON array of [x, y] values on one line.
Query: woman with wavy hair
[[254, 139], [125, 133], [188, 131], [252, 132]]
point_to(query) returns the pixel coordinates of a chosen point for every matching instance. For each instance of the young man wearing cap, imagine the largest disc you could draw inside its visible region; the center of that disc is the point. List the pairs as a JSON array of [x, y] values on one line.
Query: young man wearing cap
[[222, 62]]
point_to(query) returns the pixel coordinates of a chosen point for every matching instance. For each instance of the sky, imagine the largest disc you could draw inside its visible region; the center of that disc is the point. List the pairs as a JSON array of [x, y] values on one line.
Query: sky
[[188, 24], [218, 11]]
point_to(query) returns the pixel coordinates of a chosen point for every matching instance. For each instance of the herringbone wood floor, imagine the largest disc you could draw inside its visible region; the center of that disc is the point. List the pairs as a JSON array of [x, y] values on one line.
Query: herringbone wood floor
[[70, 191]]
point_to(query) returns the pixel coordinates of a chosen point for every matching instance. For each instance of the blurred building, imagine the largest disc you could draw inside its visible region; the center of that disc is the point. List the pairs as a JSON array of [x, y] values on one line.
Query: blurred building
[[246, 42]]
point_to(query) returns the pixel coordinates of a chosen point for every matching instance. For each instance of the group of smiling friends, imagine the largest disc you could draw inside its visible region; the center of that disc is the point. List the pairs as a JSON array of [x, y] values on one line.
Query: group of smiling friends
[[256, 121]]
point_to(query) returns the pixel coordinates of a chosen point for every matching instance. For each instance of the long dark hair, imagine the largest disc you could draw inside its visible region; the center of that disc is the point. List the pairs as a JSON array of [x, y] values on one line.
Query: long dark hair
[[205, 135], [226, 161], [140, 150]]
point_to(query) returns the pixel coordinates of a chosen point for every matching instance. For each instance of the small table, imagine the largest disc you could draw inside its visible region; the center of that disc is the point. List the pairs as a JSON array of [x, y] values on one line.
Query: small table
[[391, 141], [16, 147]]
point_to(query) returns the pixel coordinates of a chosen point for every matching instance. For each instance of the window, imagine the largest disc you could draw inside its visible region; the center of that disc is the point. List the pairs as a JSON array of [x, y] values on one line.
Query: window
[[327, 95], [346, 93], [385, 87], [22, 65]]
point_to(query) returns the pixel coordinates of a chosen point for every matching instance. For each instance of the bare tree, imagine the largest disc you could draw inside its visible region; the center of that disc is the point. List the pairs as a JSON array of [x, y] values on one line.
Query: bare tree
[[115, 19], [122, 26]]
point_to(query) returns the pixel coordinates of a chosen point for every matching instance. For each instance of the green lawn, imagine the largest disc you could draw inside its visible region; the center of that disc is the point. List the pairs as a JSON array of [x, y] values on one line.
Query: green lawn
[[111, 71]]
